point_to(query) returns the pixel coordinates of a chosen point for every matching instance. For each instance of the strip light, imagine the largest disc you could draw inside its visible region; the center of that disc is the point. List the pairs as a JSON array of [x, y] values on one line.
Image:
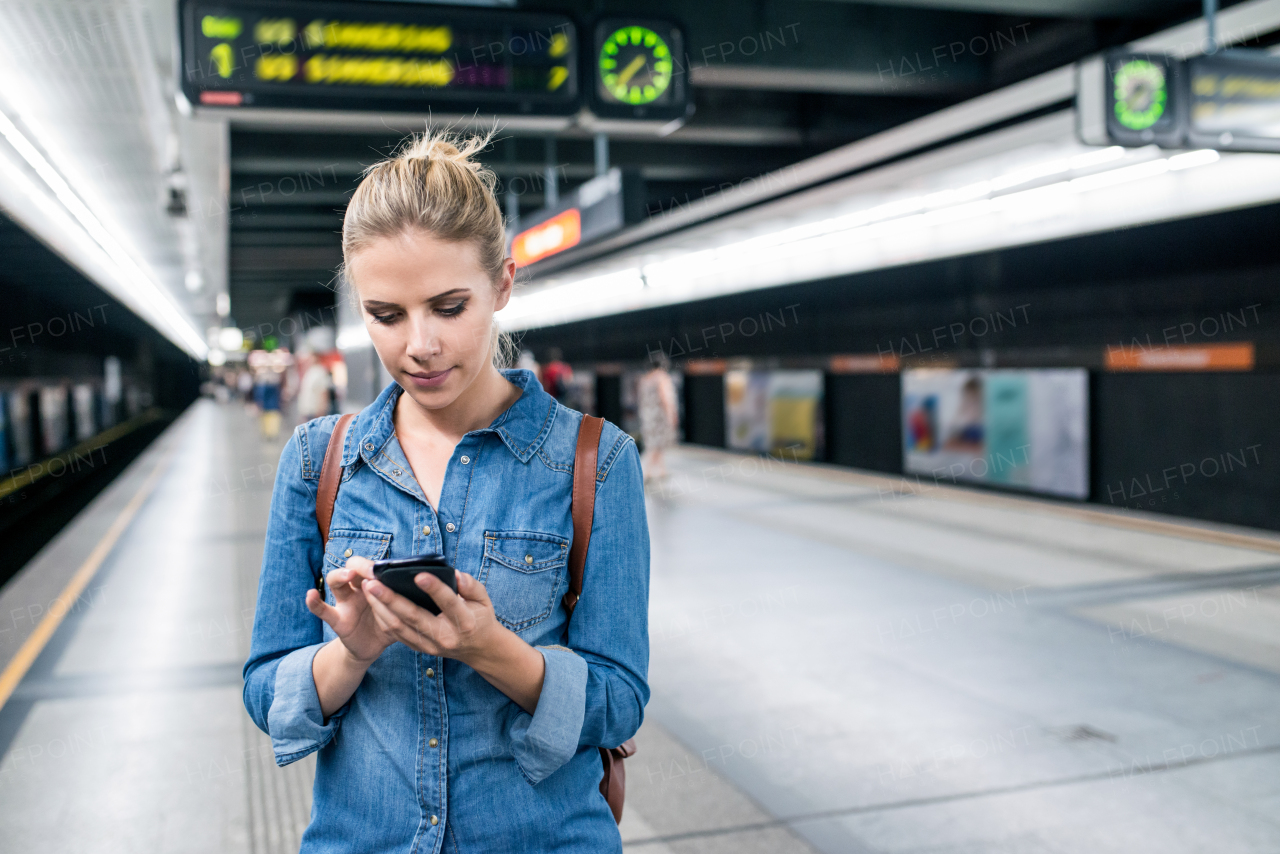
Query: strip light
[[677, 276], [140, 285], [353, 338]]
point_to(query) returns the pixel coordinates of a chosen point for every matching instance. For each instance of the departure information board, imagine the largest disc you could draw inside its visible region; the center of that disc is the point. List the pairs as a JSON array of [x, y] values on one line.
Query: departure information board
[[378, 56], [1235, 102]]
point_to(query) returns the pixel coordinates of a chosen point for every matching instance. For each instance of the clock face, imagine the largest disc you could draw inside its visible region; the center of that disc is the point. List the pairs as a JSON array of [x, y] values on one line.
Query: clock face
[[1141, 94], [635, 66]]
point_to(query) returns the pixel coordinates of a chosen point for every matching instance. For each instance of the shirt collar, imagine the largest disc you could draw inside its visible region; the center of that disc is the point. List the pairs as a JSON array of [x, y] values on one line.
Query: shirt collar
[[523, 427]]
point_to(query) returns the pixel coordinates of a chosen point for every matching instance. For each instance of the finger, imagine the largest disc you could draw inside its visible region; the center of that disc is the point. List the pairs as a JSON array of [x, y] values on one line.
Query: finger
[[414, 616], [317, 606], [361, 566], [469, 588], [343, 585], [451, 605], [393, 623], [388, 620]]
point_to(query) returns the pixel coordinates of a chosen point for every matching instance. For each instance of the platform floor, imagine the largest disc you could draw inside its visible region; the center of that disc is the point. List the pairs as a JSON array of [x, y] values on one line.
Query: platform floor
[[839, 665]]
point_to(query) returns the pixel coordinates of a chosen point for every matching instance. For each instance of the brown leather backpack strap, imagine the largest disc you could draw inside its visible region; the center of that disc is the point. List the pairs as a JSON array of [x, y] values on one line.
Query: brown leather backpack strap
[[331, 477], [613, 785], [583, 504]]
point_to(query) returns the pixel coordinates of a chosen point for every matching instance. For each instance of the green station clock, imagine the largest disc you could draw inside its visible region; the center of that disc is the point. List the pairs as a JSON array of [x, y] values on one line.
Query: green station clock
[[639, 69], [1141, 93], [635, 65], [1144, 99]]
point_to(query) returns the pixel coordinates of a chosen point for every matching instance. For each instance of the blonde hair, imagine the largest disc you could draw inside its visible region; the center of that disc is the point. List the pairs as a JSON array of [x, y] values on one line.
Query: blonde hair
[[432, 184]]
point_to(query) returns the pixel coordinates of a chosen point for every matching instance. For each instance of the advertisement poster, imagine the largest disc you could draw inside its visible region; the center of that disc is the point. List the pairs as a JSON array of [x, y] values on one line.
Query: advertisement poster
[[774, 412], [1024, 429]]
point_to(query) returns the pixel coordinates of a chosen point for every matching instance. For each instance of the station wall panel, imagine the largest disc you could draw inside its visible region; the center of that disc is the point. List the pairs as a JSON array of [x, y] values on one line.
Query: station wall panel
[[863, 415], [704, 410], [1200, 445], [609, 398]]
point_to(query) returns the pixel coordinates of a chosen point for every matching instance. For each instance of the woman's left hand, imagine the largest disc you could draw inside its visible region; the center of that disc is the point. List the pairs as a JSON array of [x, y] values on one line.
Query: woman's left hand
[[464, 629]]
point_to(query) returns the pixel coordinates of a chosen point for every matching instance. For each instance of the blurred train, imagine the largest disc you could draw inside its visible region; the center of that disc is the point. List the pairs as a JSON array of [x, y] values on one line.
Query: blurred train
[[41, 417]]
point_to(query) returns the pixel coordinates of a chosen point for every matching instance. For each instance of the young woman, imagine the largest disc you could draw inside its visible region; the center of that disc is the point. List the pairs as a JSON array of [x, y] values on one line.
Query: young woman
[[477, 729]]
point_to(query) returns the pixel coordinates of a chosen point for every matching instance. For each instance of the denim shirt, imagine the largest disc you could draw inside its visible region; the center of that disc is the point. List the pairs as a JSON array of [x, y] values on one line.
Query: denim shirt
[[427, 756]]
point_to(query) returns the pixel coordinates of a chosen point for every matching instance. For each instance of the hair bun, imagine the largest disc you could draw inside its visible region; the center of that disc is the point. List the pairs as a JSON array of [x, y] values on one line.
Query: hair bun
[[441, 145]]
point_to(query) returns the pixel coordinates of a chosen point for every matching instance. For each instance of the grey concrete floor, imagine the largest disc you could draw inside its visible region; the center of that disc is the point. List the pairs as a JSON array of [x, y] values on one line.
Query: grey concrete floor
[[951, 671], [835, 668]]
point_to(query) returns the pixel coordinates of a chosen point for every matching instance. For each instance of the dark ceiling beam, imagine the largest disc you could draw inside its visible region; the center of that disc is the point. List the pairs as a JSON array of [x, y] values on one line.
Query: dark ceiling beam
[[284, 258], [832, 80], [249, 174]]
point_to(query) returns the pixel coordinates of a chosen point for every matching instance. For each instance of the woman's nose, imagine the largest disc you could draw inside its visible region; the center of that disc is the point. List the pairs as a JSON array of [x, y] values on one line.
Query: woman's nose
[[423, 342]]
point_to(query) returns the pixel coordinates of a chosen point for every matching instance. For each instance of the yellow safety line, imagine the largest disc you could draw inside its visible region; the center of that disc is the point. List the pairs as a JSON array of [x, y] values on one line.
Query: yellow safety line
[[26, 478], [36, 641]]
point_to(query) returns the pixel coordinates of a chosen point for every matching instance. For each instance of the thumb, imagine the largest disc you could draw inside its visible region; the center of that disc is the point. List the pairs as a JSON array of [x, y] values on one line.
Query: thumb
[[317, 606]]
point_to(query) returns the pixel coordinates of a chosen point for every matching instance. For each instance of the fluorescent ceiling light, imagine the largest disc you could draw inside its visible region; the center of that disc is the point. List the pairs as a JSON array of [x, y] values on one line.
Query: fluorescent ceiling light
[[854, 240], [139, 285], [353, 338]]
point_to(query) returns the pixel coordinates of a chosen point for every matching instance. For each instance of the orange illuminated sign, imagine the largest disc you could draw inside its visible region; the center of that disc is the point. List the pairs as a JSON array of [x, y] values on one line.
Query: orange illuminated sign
[[863, 363], [557, 234], [706, 367], [1182, 357]]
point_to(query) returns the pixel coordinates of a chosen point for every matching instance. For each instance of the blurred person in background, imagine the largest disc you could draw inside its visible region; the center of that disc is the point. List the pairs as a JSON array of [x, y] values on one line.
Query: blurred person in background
[[556, 375], [268, 380], [316, 390], [267, 390], [659, 417], [244, 385]]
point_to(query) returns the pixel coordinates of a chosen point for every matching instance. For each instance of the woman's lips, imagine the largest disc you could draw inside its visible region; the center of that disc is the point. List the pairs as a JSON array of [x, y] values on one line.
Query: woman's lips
[[430, 379]]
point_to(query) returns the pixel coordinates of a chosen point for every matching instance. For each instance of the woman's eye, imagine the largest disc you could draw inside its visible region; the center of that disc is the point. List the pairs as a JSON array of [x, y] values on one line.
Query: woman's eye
[[453, 310], [384, 318]]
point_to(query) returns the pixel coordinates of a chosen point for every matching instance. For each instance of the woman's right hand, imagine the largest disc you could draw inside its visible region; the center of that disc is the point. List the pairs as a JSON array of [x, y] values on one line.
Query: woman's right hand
[[350, 616]]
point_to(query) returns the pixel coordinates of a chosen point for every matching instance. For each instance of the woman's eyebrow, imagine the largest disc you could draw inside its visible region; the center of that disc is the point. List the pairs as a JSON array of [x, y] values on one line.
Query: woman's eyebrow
[[450, 293], [372, 304]]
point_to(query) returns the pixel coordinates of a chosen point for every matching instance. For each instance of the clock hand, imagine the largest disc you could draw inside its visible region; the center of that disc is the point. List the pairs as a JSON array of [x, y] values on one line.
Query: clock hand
[[630, 70]]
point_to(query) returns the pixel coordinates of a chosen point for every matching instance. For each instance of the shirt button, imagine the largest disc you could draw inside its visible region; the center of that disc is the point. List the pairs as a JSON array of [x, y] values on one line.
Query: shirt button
[[528, 558], [426, 530], [431, 673], [435, 820], [347, 553], [368, 446], [465, 459], [449, 527], [432, 743]]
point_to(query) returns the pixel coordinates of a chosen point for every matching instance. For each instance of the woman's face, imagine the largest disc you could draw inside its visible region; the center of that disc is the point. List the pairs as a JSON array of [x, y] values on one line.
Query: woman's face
[[428, 306]]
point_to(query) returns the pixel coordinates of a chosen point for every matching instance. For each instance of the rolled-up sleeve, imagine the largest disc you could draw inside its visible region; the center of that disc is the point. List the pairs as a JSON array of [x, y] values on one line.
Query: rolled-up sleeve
[[295, 722], [548, 738], [279, 688]]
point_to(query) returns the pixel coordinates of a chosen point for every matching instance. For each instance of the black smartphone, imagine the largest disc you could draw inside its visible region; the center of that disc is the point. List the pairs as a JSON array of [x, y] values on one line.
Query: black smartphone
[[398, 574]]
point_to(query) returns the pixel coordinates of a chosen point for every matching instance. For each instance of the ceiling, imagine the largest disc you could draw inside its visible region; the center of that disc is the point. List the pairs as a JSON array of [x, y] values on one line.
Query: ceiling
[[835, 72], [91, 85], [94, 149]]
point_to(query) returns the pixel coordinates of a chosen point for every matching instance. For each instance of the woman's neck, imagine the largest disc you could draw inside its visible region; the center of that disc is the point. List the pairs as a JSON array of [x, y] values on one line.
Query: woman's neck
[[479, 404]]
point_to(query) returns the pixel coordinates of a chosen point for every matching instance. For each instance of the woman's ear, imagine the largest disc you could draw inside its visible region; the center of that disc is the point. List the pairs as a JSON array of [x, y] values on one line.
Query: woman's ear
[[505, 284]]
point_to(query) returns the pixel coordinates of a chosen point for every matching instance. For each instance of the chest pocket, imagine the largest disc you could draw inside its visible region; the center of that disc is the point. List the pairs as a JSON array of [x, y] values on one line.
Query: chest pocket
[[522, 571], [344, 544]]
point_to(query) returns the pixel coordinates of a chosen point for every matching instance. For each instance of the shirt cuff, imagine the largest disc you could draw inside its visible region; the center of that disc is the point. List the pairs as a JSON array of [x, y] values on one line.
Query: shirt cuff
[[548, 738], [295, 722]]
